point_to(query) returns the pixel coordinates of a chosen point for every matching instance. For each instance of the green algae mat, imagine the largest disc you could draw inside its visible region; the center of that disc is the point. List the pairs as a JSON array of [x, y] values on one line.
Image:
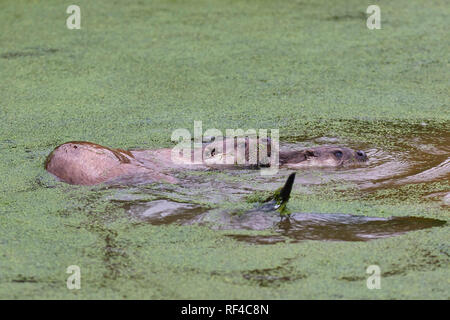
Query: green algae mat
[[137, 70]]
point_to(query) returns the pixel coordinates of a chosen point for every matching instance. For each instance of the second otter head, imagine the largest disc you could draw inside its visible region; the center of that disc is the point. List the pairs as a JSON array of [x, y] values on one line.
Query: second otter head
[[324, 156]]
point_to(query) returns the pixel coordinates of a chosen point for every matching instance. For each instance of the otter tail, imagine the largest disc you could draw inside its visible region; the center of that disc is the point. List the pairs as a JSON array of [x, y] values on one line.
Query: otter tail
[[285, 192], [280, 198]]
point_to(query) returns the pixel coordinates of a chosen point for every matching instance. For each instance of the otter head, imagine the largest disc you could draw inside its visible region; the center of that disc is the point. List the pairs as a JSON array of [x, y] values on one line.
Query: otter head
[[325, 156]]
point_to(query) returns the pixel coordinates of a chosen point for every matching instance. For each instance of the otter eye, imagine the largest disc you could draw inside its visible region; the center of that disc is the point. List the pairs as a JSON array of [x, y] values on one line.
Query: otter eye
[[338, 154], [309, 154]]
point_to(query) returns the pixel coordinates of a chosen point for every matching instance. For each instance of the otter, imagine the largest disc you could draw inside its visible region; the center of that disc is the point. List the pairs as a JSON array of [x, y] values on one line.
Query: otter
[[86, 163], [324, 156]]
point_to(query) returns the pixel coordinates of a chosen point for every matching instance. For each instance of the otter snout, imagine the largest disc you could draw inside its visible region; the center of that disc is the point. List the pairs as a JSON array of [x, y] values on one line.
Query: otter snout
[[324, 156]]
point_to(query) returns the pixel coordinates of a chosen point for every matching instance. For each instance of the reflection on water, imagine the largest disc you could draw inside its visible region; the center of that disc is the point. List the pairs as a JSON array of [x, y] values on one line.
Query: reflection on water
[[158, 211], [166, 212], [341, 227], [422, 159], [300, 226]]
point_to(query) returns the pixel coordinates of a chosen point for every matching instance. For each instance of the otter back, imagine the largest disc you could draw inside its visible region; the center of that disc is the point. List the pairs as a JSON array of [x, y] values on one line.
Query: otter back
[[87, 163]]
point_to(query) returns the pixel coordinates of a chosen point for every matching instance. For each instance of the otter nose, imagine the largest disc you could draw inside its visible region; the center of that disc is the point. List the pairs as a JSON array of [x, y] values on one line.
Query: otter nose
[[361, 154]]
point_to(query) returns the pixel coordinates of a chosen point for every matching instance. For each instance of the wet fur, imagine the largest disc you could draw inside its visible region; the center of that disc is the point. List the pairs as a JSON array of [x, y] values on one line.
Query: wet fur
[[85, 163]]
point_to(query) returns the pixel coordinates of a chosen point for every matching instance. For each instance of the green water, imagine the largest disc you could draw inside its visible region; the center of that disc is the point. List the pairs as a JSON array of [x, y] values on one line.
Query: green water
[[137, 70]]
